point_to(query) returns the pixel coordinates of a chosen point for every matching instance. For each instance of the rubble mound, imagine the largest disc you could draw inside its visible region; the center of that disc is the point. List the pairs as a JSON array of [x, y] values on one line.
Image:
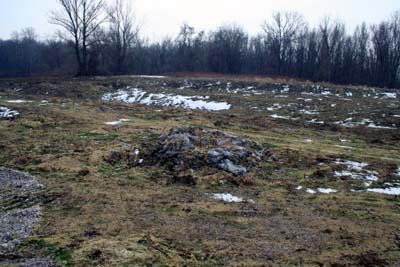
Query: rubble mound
[[194, 148]]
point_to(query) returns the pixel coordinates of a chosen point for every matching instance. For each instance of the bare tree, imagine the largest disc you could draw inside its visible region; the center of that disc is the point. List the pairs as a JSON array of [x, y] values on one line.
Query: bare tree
[[81, 19], [123, 32], [282, 34], [186, 51]]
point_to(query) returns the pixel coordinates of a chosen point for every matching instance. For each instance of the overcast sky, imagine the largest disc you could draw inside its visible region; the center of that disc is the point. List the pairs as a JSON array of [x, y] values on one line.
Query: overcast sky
[[160, 18]]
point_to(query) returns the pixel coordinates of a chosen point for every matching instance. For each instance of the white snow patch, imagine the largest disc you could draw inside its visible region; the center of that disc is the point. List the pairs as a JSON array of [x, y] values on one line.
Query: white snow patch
[[320, 190], [345, 147], [356, 170], [373, 125], [326, 190], [116, 122], [389, 95], [226, 197], [348, 94], [8, 113], [19, 101], [276, 116], [274, 107], [309, 112], [315, 121], [352, 165], [395, 191], [311, 191], [191, 102], [150, 76]]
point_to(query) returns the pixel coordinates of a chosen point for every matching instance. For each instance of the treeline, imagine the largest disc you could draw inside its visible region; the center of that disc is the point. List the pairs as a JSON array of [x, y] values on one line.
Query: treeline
[[106, 40]]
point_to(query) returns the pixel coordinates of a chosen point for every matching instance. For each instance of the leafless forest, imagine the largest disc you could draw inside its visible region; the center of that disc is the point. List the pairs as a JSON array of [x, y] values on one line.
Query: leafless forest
[[99, 39]]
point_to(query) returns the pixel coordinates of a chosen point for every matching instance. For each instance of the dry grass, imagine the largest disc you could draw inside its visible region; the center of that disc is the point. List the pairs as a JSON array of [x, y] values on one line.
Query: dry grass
[[99, 214]]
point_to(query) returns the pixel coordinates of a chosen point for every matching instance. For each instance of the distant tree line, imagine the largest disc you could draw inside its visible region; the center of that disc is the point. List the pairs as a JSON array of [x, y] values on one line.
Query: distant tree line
[[100, 39]]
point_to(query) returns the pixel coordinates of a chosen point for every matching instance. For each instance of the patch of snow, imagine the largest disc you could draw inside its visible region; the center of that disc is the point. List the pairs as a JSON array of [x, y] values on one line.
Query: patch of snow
[[8, 113], [326, 190], [394, 191], [309, 112], [276, 116], [299, 187], [389, 95], [356, 170], [19, 101], [373, 125], [315, 121], [345, 147], [349, 123], [226, 197], [359, 176], [116, 122], [353, 165], [274, 107], [191, 102], [151, 76], [285, 89], [311, 191], [344, 140], [308, 141], [348, 94]]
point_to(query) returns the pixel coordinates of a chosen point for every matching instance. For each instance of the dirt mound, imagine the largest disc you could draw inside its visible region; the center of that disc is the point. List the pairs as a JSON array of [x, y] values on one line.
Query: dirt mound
[[195, 148]]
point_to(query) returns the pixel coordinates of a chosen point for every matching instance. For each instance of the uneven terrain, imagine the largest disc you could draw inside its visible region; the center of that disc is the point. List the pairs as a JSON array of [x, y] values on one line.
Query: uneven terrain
[[218, 171]]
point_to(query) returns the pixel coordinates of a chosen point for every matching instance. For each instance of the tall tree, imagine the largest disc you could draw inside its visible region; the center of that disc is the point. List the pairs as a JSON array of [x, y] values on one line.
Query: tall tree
[[80, 19], [282, 34], [123, 33]]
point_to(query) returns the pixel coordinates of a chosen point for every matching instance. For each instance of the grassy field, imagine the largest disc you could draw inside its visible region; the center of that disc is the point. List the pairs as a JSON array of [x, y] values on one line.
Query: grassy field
[[101, 214]]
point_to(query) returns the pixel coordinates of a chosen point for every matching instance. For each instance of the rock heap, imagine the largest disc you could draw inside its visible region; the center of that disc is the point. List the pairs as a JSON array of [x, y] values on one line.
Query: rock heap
[[194, 148]]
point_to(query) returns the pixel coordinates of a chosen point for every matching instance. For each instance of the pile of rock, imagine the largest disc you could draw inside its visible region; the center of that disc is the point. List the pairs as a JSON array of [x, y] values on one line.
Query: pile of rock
[[194, 148]]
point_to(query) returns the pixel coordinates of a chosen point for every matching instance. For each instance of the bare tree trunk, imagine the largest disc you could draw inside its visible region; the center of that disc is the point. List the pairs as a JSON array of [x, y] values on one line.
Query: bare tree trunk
[[80, 19]]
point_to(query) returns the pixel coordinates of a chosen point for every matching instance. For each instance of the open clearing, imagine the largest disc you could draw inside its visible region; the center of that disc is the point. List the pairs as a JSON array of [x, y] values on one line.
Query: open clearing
[[324, 192]]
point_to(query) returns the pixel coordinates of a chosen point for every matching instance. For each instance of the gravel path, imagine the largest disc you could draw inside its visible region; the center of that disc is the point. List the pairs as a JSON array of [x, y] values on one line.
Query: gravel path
[[20, 211]]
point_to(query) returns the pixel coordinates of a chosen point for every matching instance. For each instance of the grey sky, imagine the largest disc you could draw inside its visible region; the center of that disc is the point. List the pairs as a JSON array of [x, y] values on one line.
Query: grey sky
[[163, 17]]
